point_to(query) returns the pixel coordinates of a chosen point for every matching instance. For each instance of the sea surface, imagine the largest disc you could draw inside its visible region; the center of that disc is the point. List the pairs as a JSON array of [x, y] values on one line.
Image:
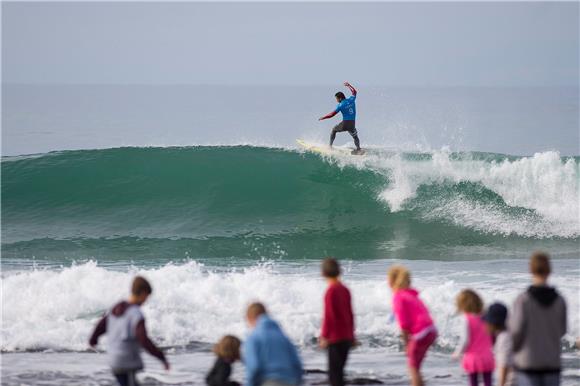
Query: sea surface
[[203, 191]]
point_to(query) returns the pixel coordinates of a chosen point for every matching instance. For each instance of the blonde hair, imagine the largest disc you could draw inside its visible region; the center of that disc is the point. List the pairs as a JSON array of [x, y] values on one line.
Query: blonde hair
[[469, 301], [228, 348], [399, 277]]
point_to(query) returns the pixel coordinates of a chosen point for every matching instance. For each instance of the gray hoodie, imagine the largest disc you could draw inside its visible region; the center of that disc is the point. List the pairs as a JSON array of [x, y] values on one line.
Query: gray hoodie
[[537, 324]]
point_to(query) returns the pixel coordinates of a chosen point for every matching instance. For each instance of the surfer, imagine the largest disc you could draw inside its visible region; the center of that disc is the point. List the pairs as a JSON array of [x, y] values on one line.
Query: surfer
[[348, 109]]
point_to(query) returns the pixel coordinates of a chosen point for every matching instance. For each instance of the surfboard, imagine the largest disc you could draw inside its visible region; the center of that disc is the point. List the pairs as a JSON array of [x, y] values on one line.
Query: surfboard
[[326, 150]]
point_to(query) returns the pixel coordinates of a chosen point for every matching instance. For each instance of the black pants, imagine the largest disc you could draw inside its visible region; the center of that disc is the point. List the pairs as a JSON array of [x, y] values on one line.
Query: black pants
[[345, 126], [126, 379], [337, 356]]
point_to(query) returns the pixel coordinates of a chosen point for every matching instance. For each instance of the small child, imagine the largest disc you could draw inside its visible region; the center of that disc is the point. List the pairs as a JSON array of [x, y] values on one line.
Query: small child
[[475, 343], [417, 328], [227, 351], [124, 325], [495, 320], [337, 334]]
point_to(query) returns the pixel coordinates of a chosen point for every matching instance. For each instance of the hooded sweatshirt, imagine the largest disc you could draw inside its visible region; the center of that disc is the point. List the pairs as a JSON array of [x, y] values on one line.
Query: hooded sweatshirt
[[270, 356], [537, 325], [125, 326], [411, 313]]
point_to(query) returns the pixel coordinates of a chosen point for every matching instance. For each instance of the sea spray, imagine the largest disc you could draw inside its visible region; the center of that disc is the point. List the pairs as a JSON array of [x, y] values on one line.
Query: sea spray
[[191, 303]]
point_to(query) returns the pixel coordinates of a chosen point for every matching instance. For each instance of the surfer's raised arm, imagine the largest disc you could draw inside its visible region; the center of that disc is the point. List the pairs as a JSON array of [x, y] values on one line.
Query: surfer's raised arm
[[329, 115], [352, 89]]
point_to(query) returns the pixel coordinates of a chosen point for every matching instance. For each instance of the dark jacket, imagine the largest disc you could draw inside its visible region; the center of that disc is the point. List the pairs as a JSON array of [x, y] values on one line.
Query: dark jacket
[[537, 325], [219, 374]]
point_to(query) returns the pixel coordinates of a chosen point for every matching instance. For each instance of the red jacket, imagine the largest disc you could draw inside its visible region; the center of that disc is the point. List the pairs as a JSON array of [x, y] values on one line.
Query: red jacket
[[338, 320]]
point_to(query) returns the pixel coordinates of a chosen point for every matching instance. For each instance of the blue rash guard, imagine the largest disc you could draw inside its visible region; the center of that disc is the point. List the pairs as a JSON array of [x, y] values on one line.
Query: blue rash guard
[[348, 109]]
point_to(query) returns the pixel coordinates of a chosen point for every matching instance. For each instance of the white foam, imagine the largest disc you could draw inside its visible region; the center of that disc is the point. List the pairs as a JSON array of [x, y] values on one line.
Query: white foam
[[544, 183], [57, 309]]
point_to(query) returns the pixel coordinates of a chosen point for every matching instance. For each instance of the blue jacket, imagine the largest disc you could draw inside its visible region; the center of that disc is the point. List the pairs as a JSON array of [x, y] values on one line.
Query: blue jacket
[[269, 355]]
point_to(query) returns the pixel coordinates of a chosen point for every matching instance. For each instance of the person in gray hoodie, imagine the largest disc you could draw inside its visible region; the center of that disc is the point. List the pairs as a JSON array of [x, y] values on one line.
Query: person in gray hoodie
[[125, 326], [537, 325]]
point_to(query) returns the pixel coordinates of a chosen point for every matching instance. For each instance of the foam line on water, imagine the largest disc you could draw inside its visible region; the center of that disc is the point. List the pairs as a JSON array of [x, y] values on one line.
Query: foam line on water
[[56, 309]]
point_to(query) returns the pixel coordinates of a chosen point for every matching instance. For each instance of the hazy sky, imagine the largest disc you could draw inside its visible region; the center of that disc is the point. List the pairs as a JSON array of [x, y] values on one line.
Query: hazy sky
[[291, 43]]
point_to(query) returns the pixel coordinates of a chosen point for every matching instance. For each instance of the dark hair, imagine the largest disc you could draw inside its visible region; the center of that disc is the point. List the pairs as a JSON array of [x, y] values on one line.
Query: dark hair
[[330, 267], [255, 310], [540, 264], [140, 286], [340, 95]]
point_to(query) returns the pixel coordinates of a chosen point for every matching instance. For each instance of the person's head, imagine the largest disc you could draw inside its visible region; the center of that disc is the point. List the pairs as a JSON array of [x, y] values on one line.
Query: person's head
[[399, 277], [468, 301], [540, 267], [140, 290], [330, 268], [495, 318], [255, 310], [228, 348], [339, 96]]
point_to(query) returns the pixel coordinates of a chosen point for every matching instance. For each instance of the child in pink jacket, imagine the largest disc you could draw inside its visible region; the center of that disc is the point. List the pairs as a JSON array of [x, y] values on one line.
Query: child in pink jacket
[[417, 328], [476, 344]]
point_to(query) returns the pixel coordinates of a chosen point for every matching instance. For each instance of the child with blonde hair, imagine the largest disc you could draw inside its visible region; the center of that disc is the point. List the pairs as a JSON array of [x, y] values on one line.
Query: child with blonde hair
[[417, 328], [227, 351], [475, 344]]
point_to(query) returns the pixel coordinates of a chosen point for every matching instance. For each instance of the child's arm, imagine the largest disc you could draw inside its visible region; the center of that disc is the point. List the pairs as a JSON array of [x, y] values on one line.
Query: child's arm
[[141, 334], [503, 373], [517, 324], [327, 318], [100, 329], [463, 340]]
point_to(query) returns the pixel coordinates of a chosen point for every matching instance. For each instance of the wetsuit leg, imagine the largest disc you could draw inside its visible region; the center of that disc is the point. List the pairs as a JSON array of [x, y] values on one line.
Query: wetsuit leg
[[356, 141], [335, 130], [332, 137]]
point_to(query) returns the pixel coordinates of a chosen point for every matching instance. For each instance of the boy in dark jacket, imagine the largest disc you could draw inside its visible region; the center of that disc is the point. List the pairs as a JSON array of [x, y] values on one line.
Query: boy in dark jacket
[[537, 325]]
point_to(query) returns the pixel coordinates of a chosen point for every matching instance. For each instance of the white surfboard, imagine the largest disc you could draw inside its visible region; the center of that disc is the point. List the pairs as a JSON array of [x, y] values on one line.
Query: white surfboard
[[325, 149]]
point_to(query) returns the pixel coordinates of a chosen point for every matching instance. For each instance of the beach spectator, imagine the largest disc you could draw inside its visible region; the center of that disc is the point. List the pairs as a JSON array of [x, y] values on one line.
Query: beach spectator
[[495, 319], [124, 325], [417, 328], [227, 351], [337, 335], [269, 356], [537, 325], [475, 343]]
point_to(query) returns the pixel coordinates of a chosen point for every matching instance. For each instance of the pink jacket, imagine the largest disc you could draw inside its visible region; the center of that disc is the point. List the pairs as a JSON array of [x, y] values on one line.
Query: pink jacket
[[478, 355], [411, 313]]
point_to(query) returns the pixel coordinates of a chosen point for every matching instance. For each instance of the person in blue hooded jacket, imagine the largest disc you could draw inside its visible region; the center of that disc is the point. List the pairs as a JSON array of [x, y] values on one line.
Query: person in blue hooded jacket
[[269, 357]]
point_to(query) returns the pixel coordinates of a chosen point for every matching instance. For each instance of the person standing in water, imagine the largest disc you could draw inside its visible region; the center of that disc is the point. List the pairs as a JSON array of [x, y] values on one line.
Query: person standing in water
[[347, 107]]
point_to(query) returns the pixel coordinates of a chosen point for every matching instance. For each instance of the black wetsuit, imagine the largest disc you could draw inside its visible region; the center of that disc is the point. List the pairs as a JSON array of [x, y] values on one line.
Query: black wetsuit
[[219, 374], [345, 126]]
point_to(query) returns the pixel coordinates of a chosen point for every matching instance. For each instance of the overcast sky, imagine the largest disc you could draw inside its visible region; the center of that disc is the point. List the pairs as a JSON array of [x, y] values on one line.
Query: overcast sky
[[423, 44]]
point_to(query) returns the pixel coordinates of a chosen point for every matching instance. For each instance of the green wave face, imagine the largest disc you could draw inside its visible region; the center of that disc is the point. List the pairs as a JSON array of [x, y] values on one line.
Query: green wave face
[[237, 203]]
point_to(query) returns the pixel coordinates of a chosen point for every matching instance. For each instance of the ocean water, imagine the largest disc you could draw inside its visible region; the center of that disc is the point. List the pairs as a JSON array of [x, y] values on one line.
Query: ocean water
[[95, 191]]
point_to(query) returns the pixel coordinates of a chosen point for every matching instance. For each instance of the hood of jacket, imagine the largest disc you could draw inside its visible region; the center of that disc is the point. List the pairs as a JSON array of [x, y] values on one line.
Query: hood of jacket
[[544, 295]]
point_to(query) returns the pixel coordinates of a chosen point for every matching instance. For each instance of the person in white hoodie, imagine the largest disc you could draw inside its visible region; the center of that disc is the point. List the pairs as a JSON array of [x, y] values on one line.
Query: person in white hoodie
[[124, 325]]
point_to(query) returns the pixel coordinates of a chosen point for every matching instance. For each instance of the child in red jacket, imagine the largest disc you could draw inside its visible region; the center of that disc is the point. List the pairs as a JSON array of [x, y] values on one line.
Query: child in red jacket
[[337, 334]]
